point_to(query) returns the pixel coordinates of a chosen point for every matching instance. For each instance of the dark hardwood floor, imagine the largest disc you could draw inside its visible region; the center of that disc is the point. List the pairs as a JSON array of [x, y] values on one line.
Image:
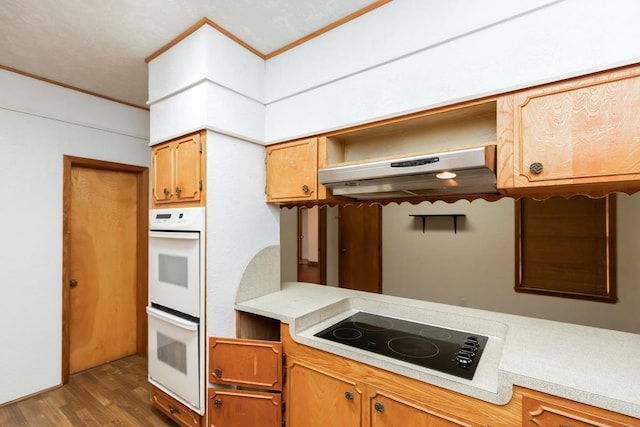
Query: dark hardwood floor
[[115, 394]]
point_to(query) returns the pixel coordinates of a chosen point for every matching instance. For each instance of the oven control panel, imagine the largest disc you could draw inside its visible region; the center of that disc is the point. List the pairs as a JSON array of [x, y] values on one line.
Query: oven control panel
[[177, 219]]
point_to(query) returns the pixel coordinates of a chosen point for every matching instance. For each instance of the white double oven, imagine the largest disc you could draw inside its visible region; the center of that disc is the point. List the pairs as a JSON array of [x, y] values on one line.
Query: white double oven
[[176, 304]]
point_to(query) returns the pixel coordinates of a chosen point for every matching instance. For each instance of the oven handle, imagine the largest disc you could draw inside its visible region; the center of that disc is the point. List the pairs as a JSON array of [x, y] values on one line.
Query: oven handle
[[174, 320], [174, 235]]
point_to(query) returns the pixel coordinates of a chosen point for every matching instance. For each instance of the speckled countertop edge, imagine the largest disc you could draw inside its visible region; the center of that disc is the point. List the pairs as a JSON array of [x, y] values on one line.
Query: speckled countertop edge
[[595, 366]]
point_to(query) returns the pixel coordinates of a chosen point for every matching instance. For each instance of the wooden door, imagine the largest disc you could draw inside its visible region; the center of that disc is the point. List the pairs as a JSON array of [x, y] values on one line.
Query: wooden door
[[360, 245], [316, 398], [312, 272], [104, 278]]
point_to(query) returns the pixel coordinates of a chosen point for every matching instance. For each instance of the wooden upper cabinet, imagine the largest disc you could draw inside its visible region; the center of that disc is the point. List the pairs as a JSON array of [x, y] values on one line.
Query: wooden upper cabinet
[[577, 132], [162, 161], [292, 171], [178, 171]]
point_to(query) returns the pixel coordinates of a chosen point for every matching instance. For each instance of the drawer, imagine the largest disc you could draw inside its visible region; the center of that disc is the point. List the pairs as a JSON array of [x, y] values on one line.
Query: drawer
[[174, 409]]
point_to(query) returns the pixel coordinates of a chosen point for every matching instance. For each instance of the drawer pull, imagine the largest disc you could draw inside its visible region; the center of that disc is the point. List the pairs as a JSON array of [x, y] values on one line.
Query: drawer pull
[[379, 407], [174, 409]]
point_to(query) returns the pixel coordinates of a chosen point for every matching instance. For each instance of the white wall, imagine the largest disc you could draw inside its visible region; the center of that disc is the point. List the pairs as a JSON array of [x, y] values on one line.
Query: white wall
[[410, 55], [207, 81], [39, 124], [239, 223]]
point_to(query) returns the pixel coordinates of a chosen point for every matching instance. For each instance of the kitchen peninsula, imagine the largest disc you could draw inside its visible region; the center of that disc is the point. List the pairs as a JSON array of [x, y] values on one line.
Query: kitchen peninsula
[[579, 363]]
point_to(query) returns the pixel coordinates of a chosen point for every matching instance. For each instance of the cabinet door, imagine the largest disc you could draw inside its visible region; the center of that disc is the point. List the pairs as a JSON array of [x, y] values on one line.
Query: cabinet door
[[187, 168], [235, 408], [316, 398], [392, 411], [544, 410], [292, 171], [254, 363], [162, 164], [582, 131]]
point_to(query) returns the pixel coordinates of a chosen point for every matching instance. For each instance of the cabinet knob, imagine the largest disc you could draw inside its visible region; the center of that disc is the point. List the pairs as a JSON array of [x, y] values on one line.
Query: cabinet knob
[[305, 189], [73, 283], [165, 191], [217, 403], [348, 395], [174, 409], [379, 407], [536, 167], [178, 190], [218, 372]]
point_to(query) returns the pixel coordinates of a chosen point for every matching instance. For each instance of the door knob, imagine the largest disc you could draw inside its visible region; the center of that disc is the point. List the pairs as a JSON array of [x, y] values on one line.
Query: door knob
[[73, 283]]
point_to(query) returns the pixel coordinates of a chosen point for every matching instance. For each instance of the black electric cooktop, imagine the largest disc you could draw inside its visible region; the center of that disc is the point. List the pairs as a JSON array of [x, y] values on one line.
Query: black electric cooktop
[[445, 350]]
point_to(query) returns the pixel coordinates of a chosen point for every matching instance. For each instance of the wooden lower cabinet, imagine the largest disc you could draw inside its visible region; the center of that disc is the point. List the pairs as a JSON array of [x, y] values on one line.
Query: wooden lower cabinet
[[239, 408], [316, 398], [251, 372], [324, 389], [542, 410], [388, 410], [246, 362], [175, 410]]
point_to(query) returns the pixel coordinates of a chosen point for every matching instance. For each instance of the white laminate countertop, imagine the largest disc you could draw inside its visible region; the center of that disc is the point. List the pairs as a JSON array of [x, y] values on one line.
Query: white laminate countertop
[[595, 366]]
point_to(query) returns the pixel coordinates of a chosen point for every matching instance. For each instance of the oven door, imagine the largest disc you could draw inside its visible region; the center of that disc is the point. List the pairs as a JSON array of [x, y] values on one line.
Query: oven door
[[174, 356], [174, 270]]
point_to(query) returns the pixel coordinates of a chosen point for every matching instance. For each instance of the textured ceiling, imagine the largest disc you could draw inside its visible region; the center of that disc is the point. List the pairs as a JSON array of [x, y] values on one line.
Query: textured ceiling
[[100, 45]]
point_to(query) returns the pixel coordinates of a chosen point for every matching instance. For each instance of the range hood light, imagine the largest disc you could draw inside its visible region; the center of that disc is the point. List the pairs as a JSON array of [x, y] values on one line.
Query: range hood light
[[446, 175]]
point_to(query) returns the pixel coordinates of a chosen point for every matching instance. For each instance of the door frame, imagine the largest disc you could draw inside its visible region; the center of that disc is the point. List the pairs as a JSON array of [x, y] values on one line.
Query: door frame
[[142, 190], [322, 242]]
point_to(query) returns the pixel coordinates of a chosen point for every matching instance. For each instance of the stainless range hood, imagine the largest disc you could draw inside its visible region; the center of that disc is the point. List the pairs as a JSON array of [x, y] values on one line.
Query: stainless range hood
[[416, 176]]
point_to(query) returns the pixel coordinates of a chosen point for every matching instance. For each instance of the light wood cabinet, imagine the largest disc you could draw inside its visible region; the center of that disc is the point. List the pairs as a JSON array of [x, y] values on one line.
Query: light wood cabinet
[[388, 410], [178, 171], [253, 367], [245, 362], [580, 132], [540, 409], [235, 408], [175, 410], [318, 381], [292, 171], [319, 398]]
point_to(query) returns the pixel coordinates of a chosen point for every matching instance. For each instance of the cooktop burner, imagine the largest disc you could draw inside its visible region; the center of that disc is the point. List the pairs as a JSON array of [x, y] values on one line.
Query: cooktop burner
[[445, 350]]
